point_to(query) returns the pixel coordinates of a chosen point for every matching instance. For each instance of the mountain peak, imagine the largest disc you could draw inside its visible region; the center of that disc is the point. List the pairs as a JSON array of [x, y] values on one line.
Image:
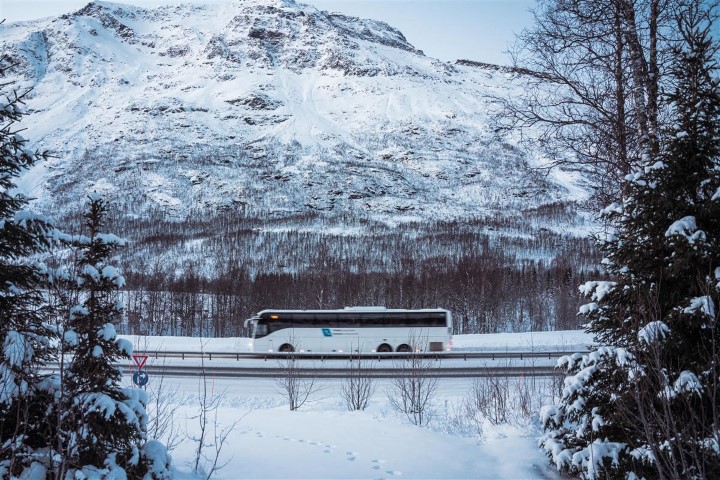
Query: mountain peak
[[266, 107]]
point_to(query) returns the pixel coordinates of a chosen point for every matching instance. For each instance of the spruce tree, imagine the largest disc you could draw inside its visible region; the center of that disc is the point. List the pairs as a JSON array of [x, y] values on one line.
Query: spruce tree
[[646, 402], [102, 427], [24, 339]]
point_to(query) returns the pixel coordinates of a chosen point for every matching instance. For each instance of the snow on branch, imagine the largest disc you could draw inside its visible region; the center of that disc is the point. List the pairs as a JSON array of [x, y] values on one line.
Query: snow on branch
[[588, 308], [589, 364], [9, 389], [132, 407], [687, 382], [113, 274], [686, 227], [159, 463], [702, 304], [653, 332], [107, 332], [17, 349], [91, 272], [110, 239], [636, 178], [596, 290], [591, 459], [22, 217], [716, 195], [612, 208], [125, 346]]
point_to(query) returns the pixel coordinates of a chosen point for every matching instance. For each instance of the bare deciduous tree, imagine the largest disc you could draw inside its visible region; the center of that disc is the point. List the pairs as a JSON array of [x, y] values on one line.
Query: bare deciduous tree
[[595, 71], [358, 386], [296, 386], [211, 435], [490, 397], [162, 422], [413, 388]]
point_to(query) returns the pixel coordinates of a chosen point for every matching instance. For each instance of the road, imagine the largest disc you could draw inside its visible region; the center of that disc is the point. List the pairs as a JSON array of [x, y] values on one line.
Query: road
[[440, 365]]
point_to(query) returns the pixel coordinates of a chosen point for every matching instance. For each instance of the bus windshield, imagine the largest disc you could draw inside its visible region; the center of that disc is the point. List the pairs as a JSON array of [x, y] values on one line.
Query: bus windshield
[[260, 329]]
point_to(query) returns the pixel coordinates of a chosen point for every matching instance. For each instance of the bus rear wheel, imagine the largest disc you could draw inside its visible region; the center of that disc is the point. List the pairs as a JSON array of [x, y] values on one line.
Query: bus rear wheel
[[384, 348], [286, 348], [404, 348]]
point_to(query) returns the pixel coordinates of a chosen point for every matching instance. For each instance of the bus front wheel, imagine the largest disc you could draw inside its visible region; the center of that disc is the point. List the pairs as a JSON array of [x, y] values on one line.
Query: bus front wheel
[[404, 348], [286, 348], [384, 348]]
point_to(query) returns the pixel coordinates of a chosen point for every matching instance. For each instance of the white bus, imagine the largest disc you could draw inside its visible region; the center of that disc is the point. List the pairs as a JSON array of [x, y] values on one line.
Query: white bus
[[351, 330]]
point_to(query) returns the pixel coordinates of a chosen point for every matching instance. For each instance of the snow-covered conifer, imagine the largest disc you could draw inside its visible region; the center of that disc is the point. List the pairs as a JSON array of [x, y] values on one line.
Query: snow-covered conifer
[[646, 402], [24, 339], [101, 427]]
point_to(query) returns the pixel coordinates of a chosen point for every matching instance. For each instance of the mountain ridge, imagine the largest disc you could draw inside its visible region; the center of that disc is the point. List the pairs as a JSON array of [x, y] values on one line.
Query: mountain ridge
[[266, 108]]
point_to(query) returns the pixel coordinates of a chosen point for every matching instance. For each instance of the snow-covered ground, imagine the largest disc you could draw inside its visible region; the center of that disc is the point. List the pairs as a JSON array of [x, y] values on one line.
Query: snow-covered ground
[[325, 440]]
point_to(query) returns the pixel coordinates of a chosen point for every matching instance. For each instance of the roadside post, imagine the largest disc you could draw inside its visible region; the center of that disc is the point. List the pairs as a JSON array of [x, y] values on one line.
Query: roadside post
[[140, 377]]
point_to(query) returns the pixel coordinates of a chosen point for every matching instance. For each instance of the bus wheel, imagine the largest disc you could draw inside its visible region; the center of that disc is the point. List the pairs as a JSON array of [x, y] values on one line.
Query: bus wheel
[[286, 348], [404, 348], [384, 348]]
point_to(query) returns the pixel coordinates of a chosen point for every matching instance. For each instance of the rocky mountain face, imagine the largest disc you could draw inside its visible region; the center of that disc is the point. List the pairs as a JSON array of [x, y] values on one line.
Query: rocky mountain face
[[265, 108], [267, 154]]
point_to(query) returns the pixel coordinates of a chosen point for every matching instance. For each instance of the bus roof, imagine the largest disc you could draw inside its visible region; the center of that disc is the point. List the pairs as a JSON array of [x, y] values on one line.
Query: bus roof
[[350, 310]]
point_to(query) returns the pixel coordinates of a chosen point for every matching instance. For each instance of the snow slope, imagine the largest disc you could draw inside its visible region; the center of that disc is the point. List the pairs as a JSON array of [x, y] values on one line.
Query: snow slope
[[265, 107]]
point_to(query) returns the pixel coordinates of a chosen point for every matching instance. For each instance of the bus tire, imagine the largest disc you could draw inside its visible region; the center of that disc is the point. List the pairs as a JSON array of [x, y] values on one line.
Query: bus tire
[[286, 348], [384, 348], [404, 348]]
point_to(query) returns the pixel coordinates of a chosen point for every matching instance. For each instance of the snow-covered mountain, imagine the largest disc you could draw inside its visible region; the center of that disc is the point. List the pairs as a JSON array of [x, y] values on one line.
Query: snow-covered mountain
[[268, 107]]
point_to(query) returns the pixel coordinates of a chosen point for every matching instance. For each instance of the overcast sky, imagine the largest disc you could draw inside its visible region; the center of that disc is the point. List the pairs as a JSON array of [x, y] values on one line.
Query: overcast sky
[[445, 29]]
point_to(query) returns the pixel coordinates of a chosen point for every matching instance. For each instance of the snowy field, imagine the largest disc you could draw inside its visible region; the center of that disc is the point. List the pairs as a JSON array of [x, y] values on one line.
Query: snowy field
[[324, 440]]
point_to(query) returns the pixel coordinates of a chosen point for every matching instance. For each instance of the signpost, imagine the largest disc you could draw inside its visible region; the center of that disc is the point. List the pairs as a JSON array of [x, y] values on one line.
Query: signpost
[[140, 377], [140, 360]]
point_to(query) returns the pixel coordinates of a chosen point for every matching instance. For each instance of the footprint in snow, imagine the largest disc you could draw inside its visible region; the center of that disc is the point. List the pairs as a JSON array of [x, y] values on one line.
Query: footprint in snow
[[393, 472], [351, 456]]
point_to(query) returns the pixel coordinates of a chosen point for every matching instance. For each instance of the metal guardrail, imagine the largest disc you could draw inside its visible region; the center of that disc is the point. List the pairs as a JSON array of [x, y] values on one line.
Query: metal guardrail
[[386, 365], [372, 371]]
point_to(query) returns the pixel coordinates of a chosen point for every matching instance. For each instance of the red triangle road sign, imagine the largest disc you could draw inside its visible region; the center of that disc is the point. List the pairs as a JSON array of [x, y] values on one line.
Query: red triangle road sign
[[140, 360]]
